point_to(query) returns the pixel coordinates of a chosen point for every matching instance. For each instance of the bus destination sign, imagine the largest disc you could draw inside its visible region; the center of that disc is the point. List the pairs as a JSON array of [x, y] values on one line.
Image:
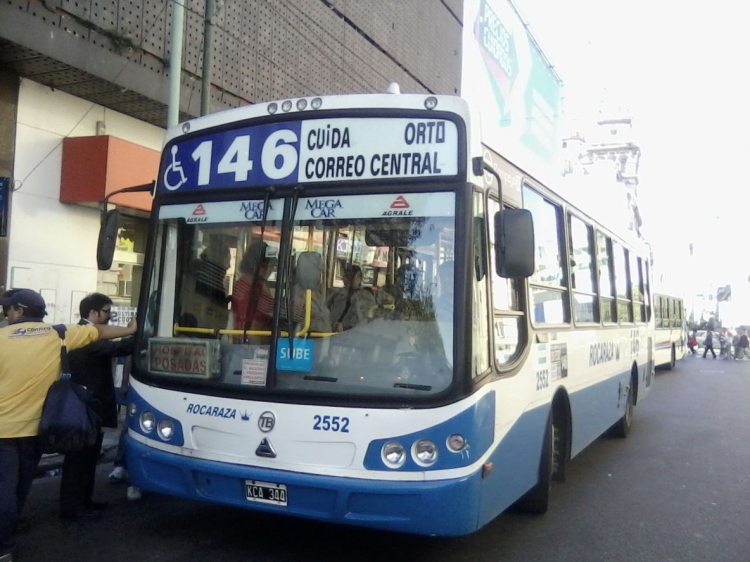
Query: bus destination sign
[[184, 357], [315, 150]]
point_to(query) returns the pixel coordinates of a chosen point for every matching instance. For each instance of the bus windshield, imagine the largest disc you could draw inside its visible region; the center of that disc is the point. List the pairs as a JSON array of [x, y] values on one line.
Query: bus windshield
[[354, 297]]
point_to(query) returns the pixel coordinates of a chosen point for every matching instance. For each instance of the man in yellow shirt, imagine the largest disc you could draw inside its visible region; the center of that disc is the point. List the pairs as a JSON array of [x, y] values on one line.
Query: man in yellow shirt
[[29, 364]]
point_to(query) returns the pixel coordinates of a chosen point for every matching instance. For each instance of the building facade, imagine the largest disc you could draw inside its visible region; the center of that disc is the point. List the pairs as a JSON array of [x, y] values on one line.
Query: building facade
[[83, 94]]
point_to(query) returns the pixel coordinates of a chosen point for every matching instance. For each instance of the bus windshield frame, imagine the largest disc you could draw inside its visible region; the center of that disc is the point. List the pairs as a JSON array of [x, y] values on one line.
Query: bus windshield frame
[[395, 333]]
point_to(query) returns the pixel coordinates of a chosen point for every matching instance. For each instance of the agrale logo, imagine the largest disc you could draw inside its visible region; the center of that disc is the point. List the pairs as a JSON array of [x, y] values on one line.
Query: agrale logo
[[199, 215], [400, 204]]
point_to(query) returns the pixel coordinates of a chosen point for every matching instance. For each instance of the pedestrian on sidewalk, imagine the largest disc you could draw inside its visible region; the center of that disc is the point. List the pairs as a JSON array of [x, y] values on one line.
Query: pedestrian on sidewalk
[[91, 366], [29, 364]]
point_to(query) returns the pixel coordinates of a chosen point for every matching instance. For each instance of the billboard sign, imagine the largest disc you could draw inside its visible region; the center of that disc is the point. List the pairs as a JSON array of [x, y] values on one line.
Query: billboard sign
[[506, 76]]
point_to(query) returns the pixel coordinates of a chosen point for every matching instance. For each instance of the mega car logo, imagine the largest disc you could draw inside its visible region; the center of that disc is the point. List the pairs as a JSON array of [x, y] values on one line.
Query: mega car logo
[[323, 208], [253, 210]]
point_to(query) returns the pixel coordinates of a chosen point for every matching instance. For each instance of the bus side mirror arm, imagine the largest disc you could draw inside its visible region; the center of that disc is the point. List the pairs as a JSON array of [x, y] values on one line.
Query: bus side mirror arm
[[514, 238], [110, 224]]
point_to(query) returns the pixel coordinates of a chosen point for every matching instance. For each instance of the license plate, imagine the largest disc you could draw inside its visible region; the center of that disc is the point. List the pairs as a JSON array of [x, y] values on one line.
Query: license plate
[[265, 492]]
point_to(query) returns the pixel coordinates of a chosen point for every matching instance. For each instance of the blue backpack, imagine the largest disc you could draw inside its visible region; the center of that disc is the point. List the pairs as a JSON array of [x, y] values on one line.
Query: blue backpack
[[69, 422]]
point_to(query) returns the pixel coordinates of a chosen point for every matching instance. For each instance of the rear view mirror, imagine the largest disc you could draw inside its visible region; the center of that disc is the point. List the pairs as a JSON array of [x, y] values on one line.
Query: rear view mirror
[[514, 243], [309, 266], [105, 248]]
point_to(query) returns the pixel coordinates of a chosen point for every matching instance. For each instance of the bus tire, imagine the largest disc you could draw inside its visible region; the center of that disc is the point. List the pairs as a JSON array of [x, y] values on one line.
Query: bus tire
[[622, 427], [536, 500], [672, 359]]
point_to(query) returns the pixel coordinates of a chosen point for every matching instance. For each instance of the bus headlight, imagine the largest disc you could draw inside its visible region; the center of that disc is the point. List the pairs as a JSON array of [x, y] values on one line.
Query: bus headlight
[[456, 443], [165, 429], [394, 454], [132, 409], [425, 452], [148, 422]]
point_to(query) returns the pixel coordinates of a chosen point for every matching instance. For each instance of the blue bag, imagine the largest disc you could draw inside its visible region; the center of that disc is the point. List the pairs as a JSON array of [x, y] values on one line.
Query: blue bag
[[68, 422]]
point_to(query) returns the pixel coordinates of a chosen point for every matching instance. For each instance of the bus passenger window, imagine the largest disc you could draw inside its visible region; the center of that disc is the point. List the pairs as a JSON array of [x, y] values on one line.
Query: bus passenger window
[[606, 288], [548, 293], [508, 323], [480, 308], [583, 272]]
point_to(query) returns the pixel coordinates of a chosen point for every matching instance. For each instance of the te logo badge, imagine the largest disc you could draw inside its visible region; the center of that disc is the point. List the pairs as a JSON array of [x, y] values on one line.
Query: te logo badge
[[266, 421]]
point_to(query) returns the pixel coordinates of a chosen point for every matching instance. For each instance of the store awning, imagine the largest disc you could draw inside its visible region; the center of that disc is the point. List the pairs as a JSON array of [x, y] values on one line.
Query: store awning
[[93, 167]]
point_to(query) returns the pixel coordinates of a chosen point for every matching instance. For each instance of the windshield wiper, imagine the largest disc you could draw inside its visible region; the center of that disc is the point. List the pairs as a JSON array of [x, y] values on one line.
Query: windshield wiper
[[320, 378], [252, 304], [407, 386], [289, 285]]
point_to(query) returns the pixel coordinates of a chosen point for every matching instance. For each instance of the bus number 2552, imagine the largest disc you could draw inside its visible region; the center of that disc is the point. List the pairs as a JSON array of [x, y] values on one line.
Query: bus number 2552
[[542, 379], [331, 423]]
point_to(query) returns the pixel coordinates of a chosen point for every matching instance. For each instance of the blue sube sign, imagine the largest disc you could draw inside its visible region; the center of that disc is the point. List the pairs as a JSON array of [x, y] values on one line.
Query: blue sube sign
[[4, 205]]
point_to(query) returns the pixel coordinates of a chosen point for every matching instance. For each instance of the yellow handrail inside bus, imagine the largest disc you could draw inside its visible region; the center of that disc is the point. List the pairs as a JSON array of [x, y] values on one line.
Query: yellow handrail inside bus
[[231, 332]]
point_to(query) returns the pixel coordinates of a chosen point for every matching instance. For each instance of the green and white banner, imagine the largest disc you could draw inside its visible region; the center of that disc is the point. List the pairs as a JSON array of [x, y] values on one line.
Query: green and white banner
[[506, 77]]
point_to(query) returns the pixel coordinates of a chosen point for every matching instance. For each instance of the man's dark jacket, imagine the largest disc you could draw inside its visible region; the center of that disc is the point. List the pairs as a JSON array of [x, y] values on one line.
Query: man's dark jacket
[[91, 366]]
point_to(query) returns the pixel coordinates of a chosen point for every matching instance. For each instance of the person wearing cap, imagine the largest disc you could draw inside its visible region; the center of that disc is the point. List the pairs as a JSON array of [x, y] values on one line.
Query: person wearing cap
[[91, 366], [29, 364]]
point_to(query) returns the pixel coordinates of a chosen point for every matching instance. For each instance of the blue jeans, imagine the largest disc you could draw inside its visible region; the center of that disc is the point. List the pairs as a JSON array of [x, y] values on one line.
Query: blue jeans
[[19, 458]]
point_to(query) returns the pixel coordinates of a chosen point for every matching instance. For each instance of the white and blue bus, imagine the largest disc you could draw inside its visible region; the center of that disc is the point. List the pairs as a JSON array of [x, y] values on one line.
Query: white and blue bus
[[670, 330], [345, 318]]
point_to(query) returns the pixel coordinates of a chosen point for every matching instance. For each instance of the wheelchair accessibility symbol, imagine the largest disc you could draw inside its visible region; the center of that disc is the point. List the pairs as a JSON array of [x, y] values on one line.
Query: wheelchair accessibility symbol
[[172, 171]]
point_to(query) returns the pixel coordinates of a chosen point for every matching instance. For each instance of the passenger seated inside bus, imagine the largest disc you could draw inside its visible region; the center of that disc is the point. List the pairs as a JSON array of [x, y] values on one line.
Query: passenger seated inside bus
[[350, 306], [252, 299]]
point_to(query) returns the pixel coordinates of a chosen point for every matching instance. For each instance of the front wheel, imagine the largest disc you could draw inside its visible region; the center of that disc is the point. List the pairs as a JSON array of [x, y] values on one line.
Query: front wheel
[[673, 359], [536, 500]]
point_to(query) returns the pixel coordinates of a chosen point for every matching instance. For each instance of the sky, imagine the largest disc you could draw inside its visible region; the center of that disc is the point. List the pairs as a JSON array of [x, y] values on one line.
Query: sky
[[681, 70]]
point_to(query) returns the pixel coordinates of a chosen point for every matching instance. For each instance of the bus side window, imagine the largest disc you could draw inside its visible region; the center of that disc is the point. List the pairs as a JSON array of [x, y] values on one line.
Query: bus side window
[[480, 308], [622, 283], [636, 279], [548, 284], [508, 322], [583, 271], [657, 310], [608, 304]]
